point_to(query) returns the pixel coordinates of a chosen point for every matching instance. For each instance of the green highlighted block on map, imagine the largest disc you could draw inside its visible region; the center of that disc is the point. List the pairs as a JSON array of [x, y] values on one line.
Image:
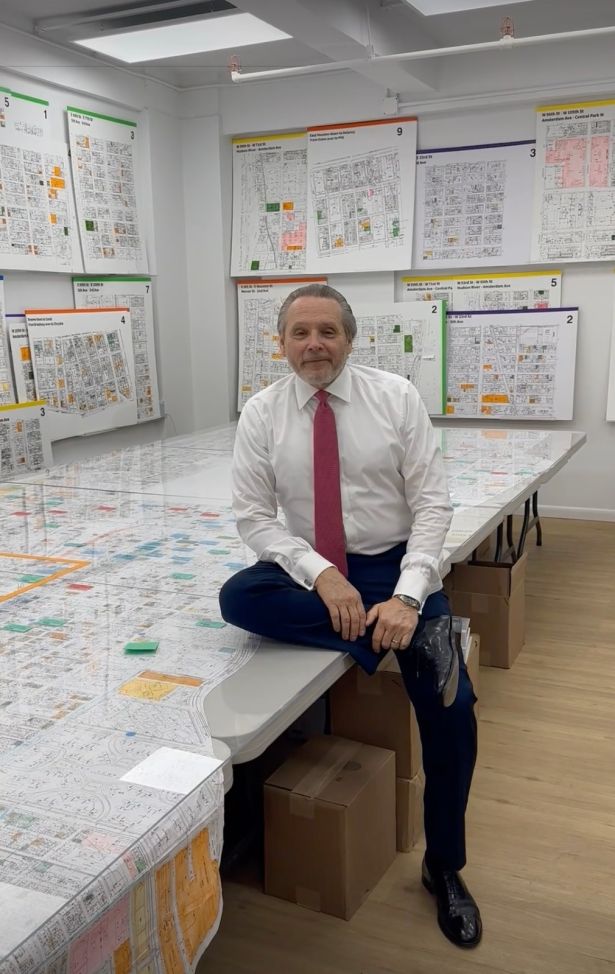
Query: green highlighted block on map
[[141, 646]]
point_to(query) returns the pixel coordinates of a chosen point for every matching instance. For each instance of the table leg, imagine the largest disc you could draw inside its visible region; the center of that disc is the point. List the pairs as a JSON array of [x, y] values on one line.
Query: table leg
[[524, 528], [536, 519]]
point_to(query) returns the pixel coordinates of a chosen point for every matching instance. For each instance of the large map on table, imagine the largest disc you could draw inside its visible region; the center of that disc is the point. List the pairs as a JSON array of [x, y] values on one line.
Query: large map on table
[[110, 823]]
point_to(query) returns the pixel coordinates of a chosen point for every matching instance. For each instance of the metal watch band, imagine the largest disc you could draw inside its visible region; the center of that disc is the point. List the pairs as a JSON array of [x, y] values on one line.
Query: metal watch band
[[409, 601]]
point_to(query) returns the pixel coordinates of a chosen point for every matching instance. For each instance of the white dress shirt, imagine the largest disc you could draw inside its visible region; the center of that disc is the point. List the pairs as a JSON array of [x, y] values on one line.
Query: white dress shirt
[[393, 483]]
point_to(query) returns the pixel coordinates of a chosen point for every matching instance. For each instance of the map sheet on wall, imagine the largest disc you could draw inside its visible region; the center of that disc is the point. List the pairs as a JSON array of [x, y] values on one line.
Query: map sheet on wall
[[474, 205], [7, 392], [610, 406], [260, 359], [135, 293], [408, 339], [574, 196], [23, 114], [476, 292], [269, 204], [24, 439], [512, 364], [361, 195], [25, 386], [37, 219], [103, 157], [84, 368]]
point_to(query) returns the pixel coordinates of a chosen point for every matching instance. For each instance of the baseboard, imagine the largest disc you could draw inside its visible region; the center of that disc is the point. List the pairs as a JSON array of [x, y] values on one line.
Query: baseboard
[[577, 513]]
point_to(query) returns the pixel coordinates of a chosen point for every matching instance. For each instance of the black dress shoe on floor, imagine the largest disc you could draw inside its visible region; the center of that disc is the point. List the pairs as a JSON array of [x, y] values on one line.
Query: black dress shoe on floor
[[458, 915]]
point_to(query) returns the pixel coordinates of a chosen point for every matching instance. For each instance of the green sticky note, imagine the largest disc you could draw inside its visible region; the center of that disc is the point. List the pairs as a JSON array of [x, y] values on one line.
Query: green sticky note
[[53, 623], [211, 624], [31, 578], [15, 627], [408, 343], [144, 646], [182, 575]]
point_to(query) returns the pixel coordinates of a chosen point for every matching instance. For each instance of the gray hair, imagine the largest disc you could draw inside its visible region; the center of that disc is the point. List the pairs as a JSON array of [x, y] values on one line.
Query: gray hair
[[320, 291]]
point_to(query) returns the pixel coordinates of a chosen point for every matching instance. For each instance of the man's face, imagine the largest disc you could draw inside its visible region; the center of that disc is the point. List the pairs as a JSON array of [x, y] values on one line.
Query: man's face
[[314, 340]]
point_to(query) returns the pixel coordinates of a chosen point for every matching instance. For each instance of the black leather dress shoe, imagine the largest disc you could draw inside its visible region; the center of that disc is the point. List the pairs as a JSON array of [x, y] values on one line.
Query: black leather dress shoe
[[458, 915]]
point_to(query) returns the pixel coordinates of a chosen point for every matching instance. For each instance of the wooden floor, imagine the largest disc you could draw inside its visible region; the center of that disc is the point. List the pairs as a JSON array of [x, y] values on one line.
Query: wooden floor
[[541, 822]]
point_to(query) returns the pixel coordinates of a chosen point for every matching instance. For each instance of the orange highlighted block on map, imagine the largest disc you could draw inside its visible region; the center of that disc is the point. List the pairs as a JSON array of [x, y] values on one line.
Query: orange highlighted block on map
[[499, 397], [153, 686], [288, 205]]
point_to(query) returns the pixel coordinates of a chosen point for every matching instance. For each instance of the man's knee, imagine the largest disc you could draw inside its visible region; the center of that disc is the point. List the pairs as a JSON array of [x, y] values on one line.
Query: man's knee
[[232, 599]]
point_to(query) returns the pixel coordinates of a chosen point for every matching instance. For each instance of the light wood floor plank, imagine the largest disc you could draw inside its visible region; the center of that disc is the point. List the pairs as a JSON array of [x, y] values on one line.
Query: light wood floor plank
[[541, 824]]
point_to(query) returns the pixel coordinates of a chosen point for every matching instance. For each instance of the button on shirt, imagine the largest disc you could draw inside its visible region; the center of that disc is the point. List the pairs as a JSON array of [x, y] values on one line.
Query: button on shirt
[[393, 483]]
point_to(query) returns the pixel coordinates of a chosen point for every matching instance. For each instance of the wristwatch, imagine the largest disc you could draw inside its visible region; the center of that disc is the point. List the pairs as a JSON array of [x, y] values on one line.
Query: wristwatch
[[410, 602]]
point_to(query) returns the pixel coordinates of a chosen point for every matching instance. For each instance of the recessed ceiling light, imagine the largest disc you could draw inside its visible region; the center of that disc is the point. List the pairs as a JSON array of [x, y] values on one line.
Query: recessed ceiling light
[[189, 37], [430, 8]]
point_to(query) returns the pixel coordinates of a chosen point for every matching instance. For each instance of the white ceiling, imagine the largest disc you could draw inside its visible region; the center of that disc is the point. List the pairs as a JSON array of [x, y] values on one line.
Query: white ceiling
[[324, 30]]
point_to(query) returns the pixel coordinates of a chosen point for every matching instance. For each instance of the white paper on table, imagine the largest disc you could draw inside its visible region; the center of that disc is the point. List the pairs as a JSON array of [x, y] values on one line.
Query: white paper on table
[[170, 769], [361, 196], [474, 205], [22, 912]]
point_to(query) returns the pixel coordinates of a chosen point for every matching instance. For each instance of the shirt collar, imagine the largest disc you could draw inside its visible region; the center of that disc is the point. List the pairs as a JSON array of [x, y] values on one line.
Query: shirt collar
[[340, 387]]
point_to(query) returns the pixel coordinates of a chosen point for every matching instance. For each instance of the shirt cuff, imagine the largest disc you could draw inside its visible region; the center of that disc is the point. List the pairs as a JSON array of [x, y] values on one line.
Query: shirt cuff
[[309, 567], [413, 583]]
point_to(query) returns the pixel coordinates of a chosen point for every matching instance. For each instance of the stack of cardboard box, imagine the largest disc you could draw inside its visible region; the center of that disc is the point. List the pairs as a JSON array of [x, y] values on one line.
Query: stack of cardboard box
[[336, 810]]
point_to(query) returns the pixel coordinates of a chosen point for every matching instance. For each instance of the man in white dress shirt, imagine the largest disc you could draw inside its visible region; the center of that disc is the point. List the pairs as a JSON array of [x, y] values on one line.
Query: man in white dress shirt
[[356, 565]]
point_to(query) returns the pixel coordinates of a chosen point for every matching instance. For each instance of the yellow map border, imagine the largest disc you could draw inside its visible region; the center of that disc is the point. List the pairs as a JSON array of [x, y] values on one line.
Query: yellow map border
[[73, 564]]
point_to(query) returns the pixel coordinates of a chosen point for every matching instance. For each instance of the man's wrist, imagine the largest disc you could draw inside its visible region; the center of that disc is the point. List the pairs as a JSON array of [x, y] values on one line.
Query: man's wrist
[[409, 601]]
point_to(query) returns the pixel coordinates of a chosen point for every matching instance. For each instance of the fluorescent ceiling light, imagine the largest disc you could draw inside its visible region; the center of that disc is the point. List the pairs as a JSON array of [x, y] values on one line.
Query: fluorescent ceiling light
[[189, 37], [430, 8]]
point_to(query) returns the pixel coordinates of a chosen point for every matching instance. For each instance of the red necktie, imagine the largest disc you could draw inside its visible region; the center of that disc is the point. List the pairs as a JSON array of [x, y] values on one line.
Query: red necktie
[[328, 520]]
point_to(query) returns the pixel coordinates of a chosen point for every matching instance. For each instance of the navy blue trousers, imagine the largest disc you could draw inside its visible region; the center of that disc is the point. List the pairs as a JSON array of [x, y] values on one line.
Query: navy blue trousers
[[264, 599]]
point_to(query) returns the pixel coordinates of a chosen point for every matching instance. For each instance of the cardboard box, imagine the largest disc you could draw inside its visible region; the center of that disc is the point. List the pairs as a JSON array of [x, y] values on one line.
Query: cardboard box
[[409, 811], [330, 824], [492, 594], [472, 661], [377, 710]]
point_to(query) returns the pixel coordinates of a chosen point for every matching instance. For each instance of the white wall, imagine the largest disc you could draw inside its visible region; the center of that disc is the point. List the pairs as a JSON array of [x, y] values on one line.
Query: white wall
[[586, 487]]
